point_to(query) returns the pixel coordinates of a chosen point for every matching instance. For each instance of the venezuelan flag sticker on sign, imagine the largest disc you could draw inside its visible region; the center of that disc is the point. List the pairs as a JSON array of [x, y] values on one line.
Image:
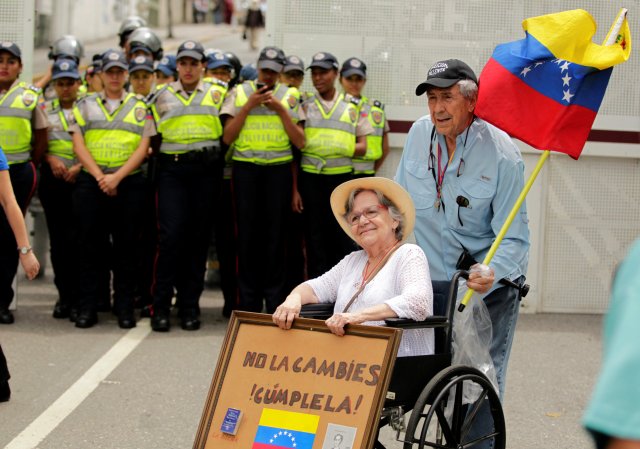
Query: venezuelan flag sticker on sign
[[279, 429]]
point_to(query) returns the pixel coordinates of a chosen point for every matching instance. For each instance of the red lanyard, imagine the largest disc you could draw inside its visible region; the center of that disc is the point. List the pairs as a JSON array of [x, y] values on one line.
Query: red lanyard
[[441, 172]]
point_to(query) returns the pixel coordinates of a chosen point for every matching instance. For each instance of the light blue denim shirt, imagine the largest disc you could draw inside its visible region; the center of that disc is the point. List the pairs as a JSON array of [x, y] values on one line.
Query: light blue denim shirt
[[491, 177]]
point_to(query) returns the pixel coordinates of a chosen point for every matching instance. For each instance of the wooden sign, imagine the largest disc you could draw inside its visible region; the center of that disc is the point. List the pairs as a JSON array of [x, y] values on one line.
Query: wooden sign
[[303, 388]]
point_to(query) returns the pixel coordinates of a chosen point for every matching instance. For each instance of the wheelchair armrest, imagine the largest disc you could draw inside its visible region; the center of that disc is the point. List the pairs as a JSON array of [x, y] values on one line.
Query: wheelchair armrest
[[406, 323], [317, 311]]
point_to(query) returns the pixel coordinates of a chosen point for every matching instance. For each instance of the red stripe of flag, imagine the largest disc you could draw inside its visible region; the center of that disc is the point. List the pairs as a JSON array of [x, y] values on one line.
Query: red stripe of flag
[[267, 446], [529, 115]]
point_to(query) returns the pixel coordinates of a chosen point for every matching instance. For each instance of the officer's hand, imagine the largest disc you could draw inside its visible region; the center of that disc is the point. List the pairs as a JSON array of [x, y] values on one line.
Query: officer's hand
[[57, 166], [288, 311], [259, 97], [481, 278], [109, 184], [296, 202], [72, 173]]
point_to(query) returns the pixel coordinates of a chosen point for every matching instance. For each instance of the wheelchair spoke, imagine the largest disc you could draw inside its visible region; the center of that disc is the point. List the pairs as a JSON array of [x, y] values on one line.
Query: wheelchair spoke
[[444, 425], [471, 415], [458, 410]]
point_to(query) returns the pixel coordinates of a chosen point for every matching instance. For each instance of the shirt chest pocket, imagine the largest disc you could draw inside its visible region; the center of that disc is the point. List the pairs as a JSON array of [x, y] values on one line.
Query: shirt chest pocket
[[421, 186], [475, 218]]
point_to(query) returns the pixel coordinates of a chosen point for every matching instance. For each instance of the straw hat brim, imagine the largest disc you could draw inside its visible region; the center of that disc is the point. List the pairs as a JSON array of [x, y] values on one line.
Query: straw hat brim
[[389, 188]]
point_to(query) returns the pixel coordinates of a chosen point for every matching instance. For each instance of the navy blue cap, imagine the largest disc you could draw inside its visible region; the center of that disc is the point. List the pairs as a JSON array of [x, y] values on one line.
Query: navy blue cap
[[167, 65], [114, 58], [141, 63], [324, 60], [271, 58], [218, 59], [292, 64], [65, 68], [248, 72], [191, 49], [353, 66], [12, 48]]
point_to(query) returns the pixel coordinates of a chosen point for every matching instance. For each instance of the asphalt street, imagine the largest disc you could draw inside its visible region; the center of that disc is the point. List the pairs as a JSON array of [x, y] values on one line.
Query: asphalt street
[[108, 388]]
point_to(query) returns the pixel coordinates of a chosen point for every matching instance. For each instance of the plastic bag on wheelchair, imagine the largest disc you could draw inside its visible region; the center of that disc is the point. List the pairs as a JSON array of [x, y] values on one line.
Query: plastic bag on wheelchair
[[472, 334]]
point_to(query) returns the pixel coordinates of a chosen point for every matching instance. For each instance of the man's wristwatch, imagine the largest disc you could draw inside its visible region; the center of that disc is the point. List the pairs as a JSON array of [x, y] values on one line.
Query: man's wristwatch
[[24, 250]]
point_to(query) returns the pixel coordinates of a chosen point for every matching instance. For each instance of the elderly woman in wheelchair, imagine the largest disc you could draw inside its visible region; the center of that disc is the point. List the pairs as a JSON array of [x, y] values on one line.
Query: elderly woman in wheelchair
[[387, 278]]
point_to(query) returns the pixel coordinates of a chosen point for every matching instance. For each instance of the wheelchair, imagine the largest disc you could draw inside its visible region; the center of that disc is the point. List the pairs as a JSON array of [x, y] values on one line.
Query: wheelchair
[[432, 388]]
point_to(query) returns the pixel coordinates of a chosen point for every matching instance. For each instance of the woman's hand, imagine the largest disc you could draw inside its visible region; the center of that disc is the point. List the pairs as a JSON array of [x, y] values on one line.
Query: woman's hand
[[58, 168], [109, 184], [288, 311], [338, 321], [30, 265]]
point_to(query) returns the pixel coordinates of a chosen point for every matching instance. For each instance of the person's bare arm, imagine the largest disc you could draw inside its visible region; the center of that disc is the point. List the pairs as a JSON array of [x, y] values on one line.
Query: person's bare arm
[[290, 309]]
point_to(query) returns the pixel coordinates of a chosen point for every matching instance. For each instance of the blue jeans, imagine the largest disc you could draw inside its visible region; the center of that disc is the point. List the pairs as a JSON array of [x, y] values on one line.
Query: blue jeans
[[503, 305]]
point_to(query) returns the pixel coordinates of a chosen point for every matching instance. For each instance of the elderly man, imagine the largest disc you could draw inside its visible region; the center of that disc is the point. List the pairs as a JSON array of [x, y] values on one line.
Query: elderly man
[[464, 176]]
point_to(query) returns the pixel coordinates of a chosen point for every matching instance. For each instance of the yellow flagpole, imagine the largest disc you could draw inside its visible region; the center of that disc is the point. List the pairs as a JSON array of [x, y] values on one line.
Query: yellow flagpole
[[507, 223]]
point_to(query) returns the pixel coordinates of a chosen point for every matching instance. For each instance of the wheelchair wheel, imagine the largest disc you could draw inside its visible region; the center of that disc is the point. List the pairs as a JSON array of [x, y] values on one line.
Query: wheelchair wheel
[[441, 417]]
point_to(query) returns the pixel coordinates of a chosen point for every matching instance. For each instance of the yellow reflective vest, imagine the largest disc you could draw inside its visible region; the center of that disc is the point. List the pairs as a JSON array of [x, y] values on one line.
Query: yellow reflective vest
[[191, 124], [375, 114], [59, 139], [263, 139], [113, 138], [330, 137], [16, 112]]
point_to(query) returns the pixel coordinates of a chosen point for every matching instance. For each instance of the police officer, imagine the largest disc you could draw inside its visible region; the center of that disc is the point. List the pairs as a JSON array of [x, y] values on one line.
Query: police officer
[[166, 71], [144, 41], [219, 67], [293, 72], [190, 165], [262, 128], [65, 47], [23, 138], [128, 26], [57, 179], [334, 134], [110, 191], [141, 75], [353, 76]]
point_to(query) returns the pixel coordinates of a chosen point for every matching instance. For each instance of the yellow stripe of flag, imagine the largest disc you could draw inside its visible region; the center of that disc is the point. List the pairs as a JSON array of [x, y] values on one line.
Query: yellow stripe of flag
[[301, 422], [568, 35]]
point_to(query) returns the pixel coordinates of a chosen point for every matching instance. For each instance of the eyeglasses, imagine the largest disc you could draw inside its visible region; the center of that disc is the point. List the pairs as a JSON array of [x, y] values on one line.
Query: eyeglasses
[[370, 213]]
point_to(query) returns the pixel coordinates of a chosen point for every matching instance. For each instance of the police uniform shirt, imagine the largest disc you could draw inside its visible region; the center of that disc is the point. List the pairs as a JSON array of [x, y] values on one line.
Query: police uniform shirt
[[363, 127], [165, 101], [39, 118], [111, 105], [348, 97], [229, 106]]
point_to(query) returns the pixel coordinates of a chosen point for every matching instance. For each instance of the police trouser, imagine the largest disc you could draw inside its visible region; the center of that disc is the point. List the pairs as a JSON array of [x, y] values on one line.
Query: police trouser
[[187, 193], [226, 247], [56, 197], [100, 217], [263, 200], [326, 242], [23, 180]]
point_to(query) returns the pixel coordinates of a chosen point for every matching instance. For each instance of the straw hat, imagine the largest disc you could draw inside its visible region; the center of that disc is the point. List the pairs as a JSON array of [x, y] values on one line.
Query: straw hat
[[391, 189]]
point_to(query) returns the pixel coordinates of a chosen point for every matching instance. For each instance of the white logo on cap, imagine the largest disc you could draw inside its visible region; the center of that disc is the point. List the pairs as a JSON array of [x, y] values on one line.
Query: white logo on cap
[[294, 60], [438, 68], [189, 45], [64, 66], [271, 53], [7, 44], [355, 63], [139, 59], [219, 56], [164, 61], [113, 56], [319, 56]]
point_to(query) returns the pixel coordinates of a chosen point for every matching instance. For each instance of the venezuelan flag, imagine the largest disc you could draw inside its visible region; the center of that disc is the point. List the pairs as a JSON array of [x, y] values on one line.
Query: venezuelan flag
[[279, 429], [546, 89]]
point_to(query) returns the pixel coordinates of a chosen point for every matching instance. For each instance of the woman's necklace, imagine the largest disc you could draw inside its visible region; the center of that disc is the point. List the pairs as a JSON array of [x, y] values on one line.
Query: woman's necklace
[[366, 275]]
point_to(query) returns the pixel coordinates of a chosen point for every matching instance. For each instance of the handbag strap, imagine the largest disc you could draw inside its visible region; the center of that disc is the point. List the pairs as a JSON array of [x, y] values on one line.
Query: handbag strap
[[377, 269]]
